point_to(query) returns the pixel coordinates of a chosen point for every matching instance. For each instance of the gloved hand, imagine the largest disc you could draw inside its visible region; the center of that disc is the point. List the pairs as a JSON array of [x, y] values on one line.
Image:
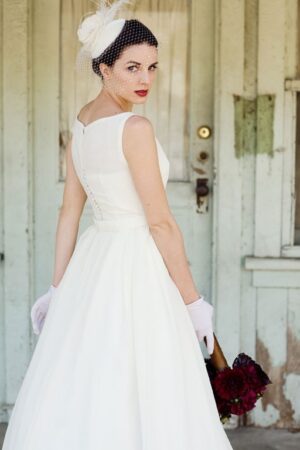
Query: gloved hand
[[201, 313], [40, 309]]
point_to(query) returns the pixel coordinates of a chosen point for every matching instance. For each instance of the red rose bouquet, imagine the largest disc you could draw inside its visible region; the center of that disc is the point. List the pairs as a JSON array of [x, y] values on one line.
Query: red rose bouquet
[[236, 389]]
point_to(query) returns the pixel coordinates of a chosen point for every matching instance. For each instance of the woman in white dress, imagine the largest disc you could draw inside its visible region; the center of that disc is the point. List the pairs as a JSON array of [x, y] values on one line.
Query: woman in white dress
[[118, 365]]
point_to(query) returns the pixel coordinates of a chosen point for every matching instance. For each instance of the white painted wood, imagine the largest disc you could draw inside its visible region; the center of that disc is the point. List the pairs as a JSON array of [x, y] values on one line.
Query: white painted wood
[[292, 379], [168, 100], [271, 350], [292, 251], [2, 243], [288, 183], [198, 112], [292, 85], [247, 170], [17, 215], [270, 79], [227, 188], [279, 279], [48, 190], [253, 263]]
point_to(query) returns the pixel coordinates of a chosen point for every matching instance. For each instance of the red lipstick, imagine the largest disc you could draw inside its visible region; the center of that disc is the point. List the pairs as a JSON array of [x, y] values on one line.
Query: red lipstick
[[142, 93]]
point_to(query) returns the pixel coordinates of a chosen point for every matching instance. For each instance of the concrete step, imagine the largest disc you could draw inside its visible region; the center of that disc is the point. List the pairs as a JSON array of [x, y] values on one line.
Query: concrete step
[[246, 438]]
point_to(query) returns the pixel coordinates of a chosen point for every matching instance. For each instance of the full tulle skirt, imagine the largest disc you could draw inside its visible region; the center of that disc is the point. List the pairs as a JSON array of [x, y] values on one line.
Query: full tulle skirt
[[117, 365]]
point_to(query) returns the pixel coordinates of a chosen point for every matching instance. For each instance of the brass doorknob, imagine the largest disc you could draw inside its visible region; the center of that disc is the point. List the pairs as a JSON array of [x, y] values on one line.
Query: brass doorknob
[[204, 132]]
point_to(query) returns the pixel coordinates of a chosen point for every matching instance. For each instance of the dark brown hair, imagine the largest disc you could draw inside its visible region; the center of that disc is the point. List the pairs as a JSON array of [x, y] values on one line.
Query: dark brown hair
[[133, 32]]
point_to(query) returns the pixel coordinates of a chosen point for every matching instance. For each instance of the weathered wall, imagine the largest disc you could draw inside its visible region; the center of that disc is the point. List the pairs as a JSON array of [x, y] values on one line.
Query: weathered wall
[[256, 284], [256, 261], [16, 190]]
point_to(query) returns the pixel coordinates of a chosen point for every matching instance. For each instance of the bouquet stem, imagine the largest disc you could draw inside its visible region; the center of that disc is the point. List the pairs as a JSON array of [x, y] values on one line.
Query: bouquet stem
[[218, 359], [237, 388]]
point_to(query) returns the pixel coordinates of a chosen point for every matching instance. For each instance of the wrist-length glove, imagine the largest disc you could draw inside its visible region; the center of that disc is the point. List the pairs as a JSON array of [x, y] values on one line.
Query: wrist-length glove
[[201, 313], [40, 309]]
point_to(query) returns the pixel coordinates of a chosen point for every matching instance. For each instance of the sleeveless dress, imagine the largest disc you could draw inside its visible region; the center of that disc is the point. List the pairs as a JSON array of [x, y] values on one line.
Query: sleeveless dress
[[117, 365]]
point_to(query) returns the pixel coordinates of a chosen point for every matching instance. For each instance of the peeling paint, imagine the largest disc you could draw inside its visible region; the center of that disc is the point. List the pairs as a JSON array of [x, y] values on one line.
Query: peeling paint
[[293, 343], [275, 394], [253, 125]]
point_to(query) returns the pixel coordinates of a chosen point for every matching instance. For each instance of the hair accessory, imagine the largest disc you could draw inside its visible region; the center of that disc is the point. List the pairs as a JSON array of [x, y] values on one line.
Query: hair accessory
[[98, 30]]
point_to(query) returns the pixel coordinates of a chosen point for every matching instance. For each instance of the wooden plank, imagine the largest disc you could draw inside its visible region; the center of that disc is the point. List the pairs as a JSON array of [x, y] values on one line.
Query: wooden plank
[[248, 291], [17, 220], [48, 192], [272, 355], [227, 197], [289, 123], [253, 263], [199, 112], [270, 80], [2, 242], [292, 379], [291, 251], [270, 278]]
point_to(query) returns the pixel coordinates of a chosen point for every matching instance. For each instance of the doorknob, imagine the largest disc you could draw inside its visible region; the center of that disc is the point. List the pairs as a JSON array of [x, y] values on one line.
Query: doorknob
[[202, 191], [204, 132]]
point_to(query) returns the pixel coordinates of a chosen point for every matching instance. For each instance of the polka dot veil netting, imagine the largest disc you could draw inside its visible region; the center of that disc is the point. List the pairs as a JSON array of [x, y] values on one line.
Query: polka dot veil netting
[[104, 37]]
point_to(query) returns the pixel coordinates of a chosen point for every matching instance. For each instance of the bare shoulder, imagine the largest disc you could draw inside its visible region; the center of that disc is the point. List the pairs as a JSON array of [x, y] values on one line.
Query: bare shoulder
[[136, 122], [138, 133]]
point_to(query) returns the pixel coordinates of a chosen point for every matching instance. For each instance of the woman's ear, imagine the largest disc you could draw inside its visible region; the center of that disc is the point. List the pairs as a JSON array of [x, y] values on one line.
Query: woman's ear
[[104, 69]]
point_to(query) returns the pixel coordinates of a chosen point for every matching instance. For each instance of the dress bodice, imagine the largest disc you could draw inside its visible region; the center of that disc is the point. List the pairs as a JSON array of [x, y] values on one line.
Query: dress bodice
[[103, 170]]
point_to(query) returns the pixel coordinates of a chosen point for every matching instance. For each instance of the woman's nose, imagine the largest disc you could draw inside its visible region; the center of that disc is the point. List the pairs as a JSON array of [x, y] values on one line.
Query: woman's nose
[[144, 77]]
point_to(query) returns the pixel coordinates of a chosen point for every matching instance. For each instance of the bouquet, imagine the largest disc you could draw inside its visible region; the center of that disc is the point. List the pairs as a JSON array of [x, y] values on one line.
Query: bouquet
[[235, 389]]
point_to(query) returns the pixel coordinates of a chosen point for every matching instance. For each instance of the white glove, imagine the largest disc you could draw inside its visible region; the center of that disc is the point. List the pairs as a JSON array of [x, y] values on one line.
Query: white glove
[[40, 309], [201, 313]]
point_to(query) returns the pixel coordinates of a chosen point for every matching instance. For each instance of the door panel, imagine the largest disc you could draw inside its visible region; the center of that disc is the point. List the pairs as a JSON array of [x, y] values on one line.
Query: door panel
[[180, 101]]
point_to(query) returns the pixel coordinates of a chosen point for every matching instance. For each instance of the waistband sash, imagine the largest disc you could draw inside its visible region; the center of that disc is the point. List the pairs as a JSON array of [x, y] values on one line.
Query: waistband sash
[[120, 224]]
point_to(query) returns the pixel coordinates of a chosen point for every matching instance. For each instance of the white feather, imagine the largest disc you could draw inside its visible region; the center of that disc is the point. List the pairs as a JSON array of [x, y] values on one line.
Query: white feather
[[109, 11], [92, 25]]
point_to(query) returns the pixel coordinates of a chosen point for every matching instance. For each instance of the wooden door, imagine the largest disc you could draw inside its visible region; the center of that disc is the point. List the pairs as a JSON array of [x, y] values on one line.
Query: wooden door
[[180, 102], [50, 95]]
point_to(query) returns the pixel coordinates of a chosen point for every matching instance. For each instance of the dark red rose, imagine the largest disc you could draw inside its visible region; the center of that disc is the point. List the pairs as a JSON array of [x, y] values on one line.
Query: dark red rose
[[230, 383], [255, 379], [242, 360], [245, 403], [223, 406], [261, 378], [236, 390]]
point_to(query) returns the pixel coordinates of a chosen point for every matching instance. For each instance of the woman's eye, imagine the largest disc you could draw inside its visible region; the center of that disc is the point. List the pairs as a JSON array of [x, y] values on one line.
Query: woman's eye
[[130, 68]]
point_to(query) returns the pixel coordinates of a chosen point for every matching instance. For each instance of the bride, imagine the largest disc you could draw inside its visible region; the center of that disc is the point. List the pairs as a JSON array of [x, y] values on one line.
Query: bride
[[118, 364]]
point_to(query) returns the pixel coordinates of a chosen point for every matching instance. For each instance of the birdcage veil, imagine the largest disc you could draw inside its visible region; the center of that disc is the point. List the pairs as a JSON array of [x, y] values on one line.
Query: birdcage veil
[[96, 31], [100, 30]]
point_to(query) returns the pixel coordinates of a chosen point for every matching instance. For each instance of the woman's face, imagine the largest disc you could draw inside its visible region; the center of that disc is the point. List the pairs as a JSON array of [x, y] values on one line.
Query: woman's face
[[132, 74]]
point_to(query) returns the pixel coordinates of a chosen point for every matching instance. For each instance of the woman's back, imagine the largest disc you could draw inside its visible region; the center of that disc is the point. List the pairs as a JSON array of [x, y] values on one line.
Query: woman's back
[[102, 168]]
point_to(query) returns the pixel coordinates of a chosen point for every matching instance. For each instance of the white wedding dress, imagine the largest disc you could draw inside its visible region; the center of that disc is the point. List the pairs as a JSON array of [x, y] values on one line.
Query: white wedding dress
[[117, 365]]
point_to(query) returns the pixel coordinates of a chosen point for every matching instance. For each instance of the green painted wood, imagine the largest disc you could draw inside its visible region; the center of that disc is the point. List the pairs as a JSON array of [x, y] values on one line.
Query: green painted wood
[[253, 125]]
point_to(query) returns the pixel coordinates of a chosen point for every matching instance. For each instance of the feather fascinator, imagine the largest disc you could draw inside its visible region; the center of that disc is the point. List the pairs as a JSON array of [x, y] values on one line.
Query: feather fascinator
[[99, 29]]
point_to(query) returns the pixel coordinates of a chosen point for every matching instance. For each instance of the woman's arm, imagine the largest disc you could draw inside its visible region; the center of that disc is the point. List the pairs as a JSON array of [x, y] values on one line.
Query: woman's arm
[[74, 198], [139, 147]]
